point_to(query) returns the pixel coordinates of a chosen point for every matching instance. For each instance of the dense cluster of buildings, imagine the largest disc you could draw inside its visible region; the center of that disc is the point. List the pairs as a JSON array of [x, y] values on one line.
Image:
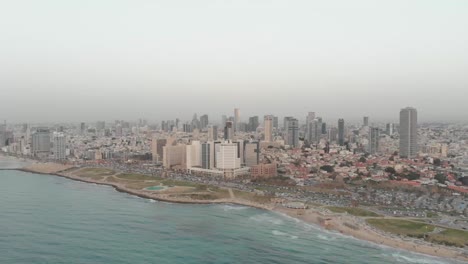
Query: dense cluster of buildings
[[258, 148]]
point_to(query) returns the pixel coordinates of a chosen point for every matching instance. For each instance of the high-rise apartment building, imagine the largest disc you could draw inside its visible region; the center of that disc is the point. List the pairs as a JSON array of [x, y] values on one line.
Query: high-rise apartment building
[[268, 128], [341, 132], [228, 130], [275, 122], [41, 142], [236, 119], [408, 132], [365, 121], [58, 146], [157, 145], [292, 136], [253, 124], [390, 129], [206, 153], [374, 138], [224, 119], [310, 117], [332, 134], [82, 128], [212, 133], [251, 153], [204, 121], [286, 123], [314, 130]]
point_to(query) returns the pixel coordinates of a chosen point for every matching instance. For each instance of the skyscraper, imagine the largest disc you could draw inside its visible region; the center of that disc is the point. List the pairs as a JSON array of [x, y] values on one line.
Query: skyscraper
[[82, 128], [228, 130], [314, 130], [341, 132], [286, 122], [268, 128], [212, 132], [204, 121], [253, 123], [390, 129], [365, 121], [275, 122], [223, 120], [292, 136], [236, 119], [58, 146], [310, 117], [408, 132], [206, 155], [374, 137]]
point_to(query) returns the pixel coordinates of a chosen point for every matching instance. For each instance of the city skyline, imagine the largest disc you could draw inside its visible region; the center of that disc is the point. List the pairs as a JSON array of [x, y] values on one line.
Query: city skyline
[[143, 61]]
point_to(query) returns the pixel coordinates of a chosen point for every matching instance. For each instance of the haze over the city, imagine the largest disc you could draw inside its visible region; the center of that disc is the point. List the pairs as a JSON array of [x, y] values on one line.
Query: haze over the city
[[103, 60]]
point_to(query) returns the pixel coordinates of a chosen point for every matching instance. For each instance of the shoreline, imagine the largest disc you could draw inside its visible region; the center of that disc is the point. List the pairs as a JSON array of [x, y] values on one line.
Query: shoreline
[[343, 224]]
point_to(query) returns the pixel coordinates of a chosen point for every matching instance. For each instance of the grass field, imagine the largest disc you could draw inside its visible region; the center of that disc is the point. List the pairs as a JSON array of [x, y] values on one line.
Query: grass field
[[449, 237], [135, 177], [91, 172], [402, 227], [352, 211]]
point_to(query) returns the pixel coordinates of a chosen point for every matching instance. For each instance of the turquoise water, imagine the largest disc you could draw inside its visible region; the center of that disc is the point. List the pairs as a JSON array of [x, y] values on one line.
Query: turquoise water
[[155, 188], [48, 219]]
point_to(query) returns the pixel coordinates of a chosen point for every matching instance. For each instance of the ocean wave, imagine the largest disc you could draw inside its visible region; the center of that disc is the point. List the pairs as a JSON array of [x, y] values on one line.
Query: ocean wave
[[406, 259], [152, 201], [227, 207], [266, 218], [279, 233], [324, 237]]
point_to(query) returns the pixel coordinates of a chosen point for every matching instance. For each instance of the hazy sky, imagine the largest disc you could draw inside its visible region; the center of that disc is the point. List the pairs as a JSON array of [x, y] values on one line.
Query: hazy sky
[[95, 59]]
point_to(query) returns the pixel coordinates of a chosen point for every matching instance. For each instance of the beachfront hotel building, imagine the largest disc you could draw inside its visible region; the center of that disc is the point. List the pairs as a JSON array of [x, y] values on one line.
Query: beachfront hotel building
[[40, 140], [58, 146]]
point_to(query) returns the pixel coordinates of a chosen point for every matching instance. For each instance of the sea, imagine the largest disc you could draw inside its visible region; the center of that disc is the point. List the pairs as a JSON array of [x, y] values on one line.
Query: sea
[[46, 219]]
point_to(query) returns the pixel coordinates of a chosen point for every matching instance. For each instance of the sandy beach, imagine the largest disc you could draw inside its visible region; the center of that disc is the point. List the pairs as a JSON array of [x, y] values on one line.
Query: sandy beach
[[342, 223]]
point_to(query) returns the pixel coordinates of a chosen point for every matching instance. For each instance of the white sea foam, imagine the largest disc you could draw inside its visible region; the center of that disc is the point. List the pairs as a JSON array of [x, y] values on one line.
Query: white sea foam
[[324, 237], [227, 207], [407, 259], [152, 201], [266, 218], [279, 233]]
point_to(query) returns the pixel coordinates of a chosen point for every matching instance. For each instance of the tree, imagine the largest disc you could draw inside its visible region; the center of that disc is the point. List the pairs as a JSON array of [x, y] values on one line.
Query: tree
[[390, 170], [441, 178], [412, 176], [362, 159], [437, 162], [327, 168]]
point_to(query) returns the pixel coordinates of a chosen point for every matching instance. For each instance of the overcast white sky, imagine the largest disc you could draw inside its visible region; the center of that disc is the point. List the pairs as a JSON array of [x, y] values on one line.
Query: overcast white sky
[[110, 59]]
